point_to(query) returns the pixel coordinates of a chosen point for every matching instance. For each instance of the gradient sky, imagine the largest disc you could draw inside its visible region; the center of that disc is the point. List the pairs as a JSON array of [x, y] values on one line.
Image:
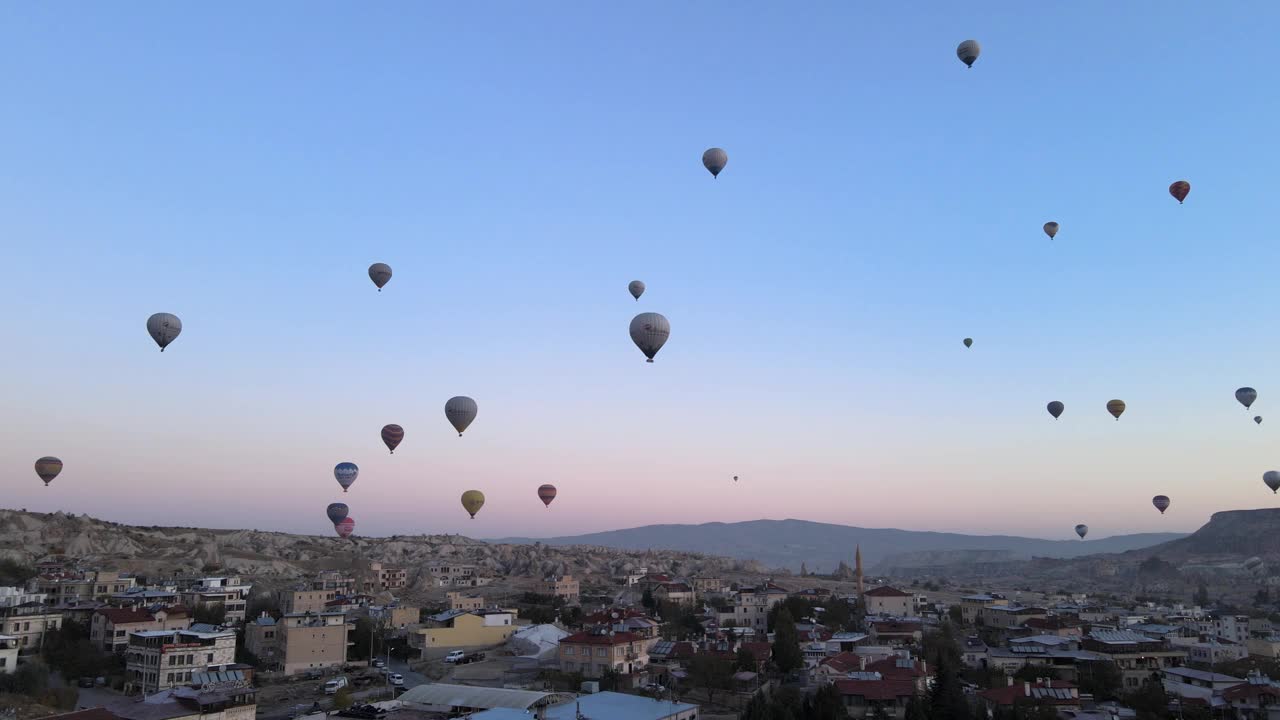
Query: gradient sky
[[240, 164]]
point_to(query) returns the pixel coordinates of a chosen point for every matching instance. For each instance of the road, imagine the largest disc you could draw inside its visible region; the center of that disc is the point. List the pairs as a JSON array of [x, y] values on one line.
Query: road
[[412, 678]]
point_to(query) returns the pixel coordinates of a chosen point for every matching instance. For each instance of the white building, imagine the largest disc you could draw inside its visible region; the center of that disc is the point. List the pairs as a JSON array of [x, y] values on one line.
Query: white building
[[8, 654], [161, 659], [751, 606], [230, 592], [13, 596]]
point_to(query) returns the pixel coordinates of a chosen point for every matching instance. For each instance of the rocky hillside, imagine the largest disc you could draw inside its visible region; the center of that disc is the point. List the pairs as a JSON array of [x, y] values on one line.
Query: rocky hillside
[[277, 558], [1228, 534]]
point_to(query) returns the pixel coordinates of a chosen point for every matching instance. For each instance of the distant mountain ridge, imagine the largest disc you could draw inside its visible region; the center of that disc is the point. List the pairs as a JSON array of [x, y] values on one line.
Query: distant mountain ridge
[[821, 546]]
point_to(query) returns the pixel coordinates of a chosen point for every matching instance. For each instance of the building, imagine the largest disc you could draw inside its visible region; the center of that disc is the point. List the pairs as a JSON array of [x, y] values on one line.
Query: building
[[11, 596], [460, 628], [1192, 684], [1059, 695], [109, 627], [208, 701], [230, 592], [563, 587], [385, 577], [873, 696], [751, 606], [594, 653], [144, 597], [1266, 647], [890, 601], [1137, 656], [971, 606], [464, 601], [677, 593], [340, 583], [28, 623], [160, 659], [8, 654], [395, 617], [1234, 628], [896, 633], [1255, 699], [69, 586], [457, 700], [1008, 617], [307, 641], [293, 602], [704, 585], [1212, 651], [457, 576], [262, 639], [611, 705]]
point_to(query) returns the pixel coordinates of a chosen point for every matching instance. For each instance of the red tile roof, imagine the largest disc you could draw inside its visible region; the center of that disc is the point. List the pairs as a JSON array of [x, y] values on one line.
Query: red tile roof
[[585, 638], [886, 591], [761, 651], [1018, 691], [1249, 691], [890, 669], [843, 663], [124, 616], [876, 689]]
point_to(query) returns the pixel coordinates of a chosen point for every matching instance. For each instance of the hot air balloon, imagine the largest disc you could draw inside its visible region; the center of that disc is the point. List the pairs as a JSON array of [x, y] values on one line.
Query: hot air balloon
[[345, 527], [714, 160], [472, 501], [460, 411], [1179, 190], [1055, 409], [164, 329], [546, 493], [48, 468], [735, 478], [1051, 229], [636, 288], [1082, 530], [337, 512], [968, 51], [1272, 479], [1245, 396], [380, 274], [649, 331], [391, 436], [968, 342], [1161, 502], [1257, 419], [345, 473], [1116, 408]]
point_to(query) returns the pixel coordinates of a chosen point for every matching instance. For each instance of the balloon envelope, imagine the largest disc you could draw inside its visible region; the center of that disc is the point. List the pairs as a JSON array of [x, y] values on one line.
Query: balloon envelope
[[164, 329], [649, 331], [714, 160], [1272, 479], [460, 411], [345, 473], [48, 468], [1257, 419], [337, 512], [1055, 409], [968, 51], [1116, 408], [345, 527], [1051, 229], [1161, 502], [472, 501], [391, 436], [1179, 190], [546, 493], [968, 342], [380, 273], [636, 288], [1082, 530], [1246, 395]]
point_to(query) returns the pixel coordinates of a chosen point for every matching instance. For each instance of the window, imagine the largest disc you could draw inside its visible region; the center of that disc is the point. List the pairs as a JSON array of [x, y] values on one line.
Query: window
[[210, 658], [568, 650], [173, 660], [170, 678], [3, 661], [602, 652]]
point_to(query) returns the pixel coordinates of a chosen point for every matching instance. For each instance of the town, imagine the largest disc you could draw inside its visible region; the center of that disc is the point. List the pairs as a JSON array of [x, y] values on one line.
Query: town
[[89, 643]]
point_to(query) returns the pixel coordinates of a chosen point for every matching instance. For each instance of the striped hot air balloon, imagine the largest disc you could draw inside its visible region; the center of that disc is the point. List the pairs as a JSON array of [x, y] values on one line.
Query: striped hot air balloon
[[1161, 502], [547, 493], [1179, 190], [345, 527], [48, 468], [392, 435]]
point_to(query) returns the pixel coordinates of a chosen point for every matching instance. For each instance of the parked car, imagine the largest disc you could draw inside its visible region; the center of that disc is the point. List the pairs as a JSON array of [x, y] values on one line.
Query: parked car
[[85, 682], [454, 656], [363, 712], [378, 663], [333, 686], [397, 679]]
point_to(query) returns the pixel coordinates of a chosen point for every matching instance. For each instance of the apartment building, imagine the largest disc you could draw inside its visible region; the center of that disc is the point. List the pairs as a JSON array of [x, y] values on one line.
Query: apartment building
[[109, 628], [8, 654], [70, 586], [293, 602], [231, 592], [971, 606], [594, 653], [1136, 655], [677, 593], [464, 601], [160, 659], [262, 639], [704, 585], [459, 628], [564, 587], [28, 623], [751, 606], [385, 577], [457, 576], [396, 617], [11, 596], [339, 582], [311, 640], [891, 601]]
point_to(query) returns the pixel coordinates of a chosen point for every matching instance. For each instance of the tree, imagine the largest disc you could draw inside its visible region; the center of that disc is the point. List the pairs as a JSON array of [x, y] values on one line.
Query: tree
[[361, 638], [14, 573], [941, 645], [711, 673], [786, 643], [343, 698], [826, 704], [69, 651], [609, 680], [915, 710], [212, 613], [1100, 678], [1201, 597], [946, 700], [956, 615], [1150, 701], [647, 600], [745, 660]]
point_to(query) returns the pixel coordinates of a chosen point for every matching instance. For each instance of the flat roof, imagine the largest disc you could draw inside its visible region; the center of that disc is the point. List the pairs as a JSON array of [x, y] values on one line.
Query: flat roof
[[608, 705], [1204, 675], [467, 696]]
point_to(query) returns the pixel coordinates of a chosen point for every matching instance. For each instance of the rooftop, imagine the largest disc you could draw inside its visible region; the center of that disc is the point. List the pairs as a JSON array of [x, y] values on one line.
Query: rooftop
[[1203, 675], [606, 705], [467, 696], [887, 591]]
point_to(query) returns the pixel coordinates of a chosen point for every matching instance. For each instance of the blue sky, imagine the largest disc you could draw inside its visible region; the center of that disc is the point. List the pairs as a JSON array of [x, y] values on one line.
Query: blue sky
[[518, 164]]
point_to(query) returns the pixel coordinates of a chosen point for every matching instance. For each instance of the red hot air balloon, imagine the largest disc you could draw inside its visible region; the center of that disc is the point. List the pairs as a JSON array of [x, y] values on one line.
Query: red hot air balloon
[[392, 435], [1179, 190], [345, 527], [547, 493], [1161, 502]]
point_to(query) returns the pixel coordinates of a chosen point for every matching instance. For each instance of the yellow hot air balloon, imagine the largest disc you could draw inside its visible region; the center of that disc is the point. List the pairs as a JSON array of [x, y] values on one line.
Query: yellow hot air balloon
[[472, 501]]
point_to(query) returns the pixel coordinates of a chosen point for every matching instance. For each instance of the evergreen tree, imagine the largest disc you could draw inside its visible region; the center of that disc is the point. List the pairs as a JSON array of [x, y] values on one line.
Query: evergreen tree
[[915, 710], [826, 704], [745, 660], [647, 600], [786, 643], [946, 700]]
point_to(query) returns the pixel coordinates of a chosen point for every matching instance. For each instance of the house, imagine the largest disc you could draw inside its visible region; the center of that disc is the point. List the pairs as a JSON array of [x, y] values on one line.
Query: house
[[1137, 656], [751, 606], [1212, 651], [563, 587], [971, 606], [159, 659], [704, 585], [144, 597], [677, 593], [297, 601], [1255, 699], [464, 628], [1267, 646], [12, 596], [1061, 696], [8, 654], [306, 641], [109, 628], [896, 633], [890, 602], [1007, 617], [839, 666], [66, 586], [846, 642], [28, 623], [385, 577], [877, 698], [1191, 684], [974, 652], [464, 601], [229, 592], [1055, 625], [224, 701], [902, 668], [397, 617], [339, 582], [457, 575], [593, 653], [262, 639]]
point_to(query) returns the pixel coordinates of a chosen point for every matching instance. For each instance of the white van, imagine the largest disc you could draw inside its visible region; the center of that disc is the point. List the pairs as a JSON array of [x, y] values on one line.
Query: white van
[[333, 686], [454, 656]]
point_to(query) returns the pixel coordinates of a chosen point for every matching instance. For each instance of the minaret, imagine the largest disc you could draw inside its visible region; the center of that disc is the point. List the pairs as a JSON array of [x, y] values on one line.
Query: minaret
[[857, 569]]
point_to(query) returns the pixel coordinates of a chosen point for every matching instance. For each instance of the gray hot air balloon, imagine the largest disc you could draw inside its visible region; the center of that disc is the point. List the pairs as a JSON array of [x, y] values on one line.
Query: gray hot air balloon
[[164, 328], [337, 512], [636, 288], [380, 274], [649, 331], [1055, 409], [1051, 229], [968, 52], [460, 411], [1246, 396], [715, 159], [1272, 479], [1082, 530], [1257, 419]]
